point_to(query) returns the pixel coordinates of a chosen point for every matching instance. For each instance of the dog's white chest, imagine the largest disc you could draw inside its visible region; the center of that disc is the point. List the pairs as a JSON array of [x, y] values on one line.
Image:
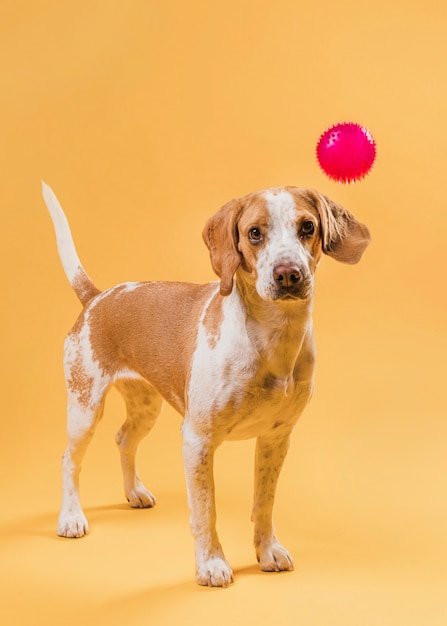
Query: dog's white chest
[[232, 389], [222, 350]]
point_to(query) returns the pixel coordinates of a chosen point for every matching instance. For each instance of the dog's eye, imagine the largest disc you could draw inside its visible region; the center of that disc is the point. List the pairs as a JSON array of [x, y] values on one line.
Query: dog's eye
[[307, 229], [255, 235]]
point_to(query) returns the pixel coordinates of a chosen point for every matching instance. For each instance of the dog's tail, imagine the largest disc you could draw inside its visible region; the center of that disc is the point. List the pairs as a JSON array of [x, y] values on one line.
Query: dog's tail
[[79, 280]]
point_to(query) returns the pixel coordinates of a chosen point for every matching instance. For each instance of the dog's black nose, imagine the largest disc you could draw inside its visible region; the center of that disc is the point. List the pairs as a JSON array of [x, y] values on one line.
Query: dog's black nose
[[286, 275]]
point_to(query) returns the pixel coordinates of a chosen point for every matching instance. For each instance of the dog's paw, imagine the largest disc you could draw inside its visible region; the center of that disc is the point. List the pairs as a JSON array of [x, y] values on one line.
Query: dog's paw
[[215, 572], [275, 558], [71, 525], [140, 498]]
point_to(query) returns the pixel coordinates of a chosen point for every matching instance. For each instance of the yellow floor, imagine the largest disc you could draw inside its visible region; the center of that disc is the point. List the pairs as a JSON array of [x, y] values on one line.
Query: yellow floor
[[146, 117], [351, 508]]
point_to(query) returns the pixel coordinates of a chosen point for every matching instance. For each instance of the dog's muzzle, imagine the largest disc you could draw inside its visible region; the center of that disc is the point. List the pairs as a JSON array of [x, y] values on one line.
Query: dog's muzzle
[[290, 283]]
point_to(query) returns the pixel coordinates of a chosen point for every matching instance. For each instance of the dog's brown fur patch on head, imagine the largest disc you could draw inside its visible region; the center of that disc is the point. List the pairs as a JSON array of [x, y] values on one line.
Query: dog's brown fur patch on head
[[254, 214], [344, 237], [220, 236]]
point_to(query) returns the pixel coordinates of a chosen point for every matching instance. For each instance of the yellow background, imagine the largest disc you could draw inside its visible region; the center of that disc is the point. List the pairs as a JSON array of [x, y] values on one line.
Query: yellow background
[[145, 117]]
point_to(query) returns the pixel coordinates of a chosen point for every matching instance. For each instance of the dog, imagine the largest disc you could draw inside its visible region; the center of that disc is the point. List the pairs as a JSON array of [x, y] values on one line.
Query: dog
[[234, 357]]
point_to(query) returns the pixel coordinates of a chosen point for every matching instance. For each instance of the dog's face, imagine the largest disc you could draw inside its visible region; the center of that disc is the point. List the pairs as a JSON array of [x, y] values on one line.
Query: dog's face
[[280, 244], [274, 240]]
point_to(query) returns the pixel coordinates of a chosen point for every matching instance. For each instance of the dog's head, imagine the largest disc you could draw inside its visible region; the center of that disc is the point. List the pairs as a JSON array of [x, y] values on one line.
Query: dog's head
[[274, 240]]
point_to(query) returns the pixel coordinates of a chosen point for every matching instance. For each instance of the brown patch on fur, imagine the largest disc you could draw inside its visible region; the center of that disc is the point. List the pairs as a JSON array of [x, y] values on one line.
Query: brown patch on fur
[[344, 237], [84, 287], [255, 214], [79, 382], [213, 320], [220, 236], [128, 331]]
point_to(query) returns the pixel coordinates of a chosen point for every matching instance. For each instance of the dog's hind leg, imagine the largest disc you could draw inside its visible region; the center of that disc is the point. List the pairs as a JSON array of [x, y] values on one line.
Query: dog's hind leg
[[81, 425], [143, 404]]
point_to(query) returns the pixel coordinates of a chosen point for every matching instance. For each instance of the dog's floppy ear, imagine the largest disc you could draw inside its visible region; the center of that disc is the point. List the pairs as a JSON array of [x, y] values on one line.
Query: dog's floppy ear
[[220, 235], [344, 238]]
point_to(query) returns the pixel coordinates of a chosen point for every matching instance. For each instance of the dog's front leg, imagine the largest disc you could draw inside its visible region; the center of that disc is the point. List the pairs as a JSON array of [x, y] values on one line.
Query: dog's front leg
[[270, 455], [212, 569]]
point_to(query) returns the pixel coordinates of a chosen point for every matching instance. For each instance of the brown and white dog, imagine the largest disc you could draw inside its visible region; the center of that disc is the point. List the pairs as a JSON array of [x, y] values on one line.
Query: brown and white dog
[[234, 357]]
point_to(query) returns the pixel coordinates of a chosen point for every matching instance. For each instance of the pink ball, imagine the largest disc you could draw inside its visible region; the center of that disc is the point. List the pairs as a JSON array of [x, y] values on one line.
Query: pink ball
[[346, 152]]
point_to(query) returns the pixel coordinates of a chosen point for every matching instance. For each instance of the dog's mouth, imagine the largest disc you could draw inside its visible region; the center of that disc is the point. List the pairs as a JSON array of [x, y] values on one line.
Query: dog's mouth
[[291, 293], [291, 296], [301, 290]]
